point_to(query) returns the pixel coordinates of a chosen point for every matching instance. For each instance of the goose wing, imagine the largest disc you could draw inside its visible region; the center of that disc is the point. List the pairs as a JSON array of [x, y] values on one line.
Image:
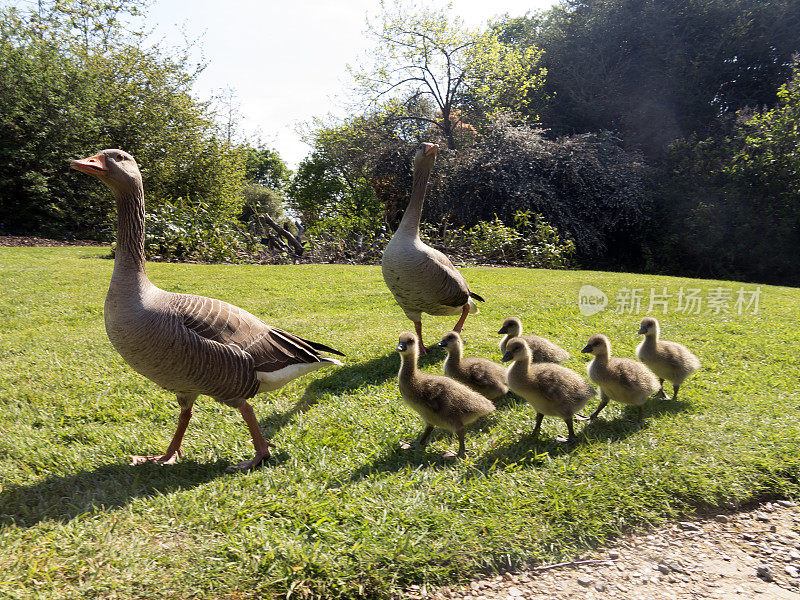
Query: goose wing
[[270, 348], [442, 280]]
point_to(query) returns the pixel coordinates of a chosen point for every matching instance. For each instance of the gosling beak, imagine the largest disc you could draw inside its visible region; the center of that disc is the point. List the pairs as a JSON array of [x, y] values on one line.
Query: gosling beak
[[428, 149], [586, 350], [503, 330], [642, 330], [442, 344], [401, 347], [94, 165], [507, 357]]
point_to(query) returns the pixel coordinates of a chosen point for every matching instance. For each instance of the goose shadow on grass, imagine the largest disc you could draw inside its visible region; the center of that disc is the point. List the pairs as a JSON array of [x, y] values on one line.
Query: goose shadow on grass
[[347, 378], [109, 486]]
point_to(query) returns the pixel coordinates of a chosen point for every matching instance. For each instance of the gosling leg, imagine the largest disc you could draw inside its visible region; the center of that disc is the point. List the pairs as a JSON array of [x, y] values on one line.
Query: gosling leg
[[603, 402], [423, 439], [675, 387], [539, 418], [661, 393], [571, 438]]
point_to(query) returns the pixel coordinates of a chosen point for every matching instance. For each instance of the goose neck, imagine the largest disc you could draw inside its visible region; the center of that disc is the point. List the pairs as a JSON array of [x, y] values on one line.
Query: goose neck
[[413, 215], [129, 257]]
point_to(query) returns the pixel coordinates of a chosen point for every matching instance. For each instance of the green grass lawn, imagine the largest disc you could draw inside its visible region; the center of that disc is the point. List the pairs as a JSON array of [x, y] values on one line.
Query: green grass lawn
[[338, 510]]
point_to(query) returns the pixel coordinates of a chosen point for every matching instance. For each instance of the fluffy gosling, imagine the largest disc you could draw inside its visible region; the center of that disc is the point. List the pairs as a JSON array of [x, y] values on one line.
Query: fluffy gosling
[[620, 379], [441, 402], [479, 374], [669, 360], [551, 389], [542, 350]]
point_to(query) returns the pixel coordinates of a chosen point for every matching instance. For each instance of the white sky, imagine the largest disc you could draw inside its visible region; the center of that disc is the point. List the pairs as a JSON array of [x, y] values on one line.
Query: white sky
[[286, 60]]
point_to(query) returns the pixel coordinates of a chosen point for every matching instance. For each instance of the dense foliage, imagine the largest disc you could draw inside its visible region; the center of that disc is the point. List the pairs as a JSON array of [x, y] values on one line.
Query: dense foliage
[[731, 206], [74, 81], [657, 71]]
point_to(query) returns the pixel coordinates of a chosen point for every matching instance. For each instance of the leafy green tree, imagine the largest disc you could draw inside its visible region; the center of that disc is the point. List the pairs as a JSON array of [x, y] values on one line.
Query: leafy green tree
[[657, 71], [429, 56], [730, 208], [78, 77], [264, 166]]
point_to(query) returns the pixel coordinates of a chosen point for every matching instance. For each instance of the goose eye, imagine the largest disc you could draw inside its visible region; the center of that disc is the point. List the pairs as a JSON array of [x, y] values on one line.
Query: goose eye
[[119, 157]]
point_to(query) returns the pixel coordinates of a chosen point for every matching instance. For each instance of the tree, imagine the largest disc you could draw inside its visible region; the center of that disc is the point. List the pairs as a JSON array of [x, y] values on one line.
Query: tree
[[658, 70], [730, 207], [264, 166], [64, 96], [427, 55]]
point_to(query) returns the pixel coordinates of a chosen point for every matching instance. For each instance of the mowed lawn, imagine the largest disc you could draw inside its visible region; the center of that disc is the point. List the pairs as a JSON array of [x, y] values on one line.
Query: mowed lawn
[[339, 510]]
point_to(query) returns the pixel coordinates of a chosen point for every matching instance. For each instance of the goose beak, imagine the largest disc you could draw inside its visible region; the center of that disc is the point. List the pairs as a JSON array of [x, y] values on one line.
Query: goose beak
[[428, 149], [586, 350], [442, 344], [642, 330], [507, 357], [94, 165], [401, 347], [503, 330]]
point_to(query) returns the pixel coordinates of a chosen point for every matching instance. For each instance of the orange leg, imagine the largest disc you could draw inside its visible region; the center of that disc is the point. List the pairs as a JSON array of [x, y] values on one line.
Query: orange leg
[[464, 313], [173, 453], [423, 349], [261, 444]]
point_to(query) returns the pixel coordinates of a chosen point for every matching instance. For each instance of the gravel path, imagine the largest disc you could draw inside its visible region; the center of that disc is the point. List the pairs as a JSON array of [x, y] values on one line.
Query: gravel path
[[753, 554]]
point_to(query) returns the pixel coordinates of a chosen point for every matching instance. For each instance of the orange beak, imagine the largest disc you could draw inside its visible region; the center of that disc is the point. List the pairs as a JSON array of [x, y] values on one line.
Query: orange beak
[[428, 148], [94, 165]]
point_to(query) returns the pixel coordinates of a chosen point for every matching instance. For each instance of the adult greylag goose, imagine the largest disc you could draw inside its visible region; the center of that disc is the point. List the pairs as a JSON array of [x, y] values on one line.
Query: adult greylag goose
[[441, 402], [480, 374], [542, 350], [669, 360], [189, 344], [549, 388], [422, 279], [619, 379]]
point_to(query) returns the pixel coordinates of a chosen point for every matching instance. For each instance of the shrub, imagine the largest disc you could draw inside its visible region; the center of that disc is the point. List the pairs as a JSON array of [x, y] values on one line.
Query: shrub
[[532, 242], [186, 230]]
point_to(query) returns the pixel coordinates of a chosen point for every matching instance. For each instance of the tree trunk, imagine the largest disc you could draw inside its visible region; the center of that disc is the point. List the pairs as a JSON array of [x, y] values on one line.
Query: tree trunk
[[293, 241]]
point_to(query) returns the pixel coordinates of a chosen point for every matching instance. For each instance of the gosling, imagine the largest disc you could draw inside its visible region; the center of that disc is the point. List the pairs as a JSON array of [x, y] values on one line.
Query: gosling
[[669, 360], [542, 350], [620, 379], [441, 402], [479, 374], [551, 389]]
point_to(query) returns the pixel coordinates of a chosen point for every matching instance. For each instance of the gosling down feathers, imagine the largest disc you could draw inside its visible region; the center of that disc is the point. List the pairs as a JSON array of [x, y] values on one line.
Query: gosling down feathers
[[189, 344], [542, 350], [482, 375], [620, 379], [550, 389], [422, 279], [441, 402], [669, 360]]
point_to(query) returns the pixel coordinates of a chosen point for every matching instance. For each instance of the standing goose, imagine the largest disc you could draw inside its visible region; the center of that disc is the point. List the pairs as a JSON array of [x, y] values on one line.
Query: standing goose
[[441, 402], [421, 278], [669, 360], [542, 350], [620, 379], [189, 344], [480, 374], [551, 389]]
